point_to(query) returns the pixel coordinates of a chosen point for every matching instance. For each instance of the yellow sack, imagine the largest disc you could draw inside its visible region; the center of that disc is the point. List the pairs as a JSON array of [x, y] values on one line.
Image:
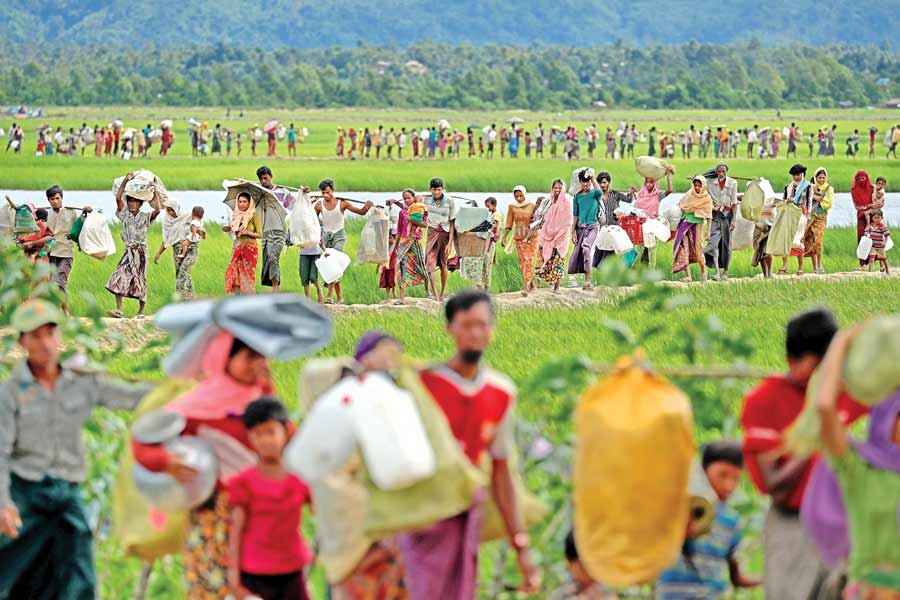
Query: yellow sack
[[530, 506], [448, 492], [634, 443], [144, 531]]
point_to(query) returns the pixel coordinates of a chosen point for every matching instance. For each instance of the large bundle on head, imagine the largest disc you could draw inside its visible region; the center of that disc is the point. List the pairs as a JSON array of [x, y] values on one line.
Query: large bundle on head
[[633, 453], [653, 167], [142, 186]]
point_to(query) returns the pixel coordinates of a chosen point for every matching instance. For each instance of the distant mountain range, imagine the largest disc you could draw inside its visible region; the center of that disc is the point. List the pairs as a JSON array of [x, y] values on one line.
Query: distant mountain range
[[324, 23]]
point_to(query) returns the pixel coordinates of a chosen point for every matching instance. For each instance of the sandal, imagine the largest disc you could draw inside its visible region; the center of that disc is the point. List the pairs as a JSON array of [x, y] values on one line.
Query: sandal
[[588, 286], [329, 300], [115, 314], [782, 271], [799, 273]]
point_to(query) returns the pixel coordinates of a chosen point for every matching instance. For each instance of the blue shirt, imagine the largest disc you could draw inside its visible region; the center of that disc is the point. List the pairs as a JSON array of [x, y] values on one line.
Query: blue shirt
[[292, 135], [705, 577]]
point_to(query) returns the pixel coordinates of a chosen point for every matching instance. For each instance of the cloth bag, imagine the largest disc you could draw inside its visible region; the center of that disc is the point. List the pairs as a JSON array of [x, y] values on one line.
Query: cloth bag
[[304, 223], [75, 231], [742, 235], [144, 531], [653, 167], [631, 498], [96, 239], [752, 202], [374, 241], [781, 237]]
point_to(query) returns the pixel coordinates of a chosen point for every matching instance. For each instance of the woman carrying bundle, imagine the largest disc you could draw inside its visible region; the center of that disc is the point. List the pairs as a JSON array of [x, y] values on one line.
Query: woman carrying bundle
[[647, 199], [518, 218], [821, 201], [555, 236], [240, 276], [861, 191], [787, 221], [696, 208], [410, 254]]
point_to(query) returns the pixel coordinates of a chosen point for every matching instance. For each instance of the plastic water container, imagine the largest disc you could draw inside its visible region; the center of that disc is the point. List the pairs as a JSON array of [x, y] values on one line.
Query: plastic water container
[[332, 265], [864, 248], [655, 231], [620, 240], [390, 432], [326, 439]]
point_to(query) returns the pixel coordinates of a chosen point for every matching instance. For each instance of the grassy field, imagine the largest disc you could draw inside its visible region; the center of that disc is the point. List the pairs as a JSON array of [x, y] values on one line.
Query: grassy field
[[28, 172]]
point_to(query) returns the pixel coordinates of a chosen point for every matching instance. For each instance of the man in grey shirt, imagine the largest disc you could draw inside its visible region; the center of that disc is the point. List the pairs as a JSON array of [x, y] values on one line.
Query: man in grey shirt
[[60, 220], [45, 539], [273, 238]]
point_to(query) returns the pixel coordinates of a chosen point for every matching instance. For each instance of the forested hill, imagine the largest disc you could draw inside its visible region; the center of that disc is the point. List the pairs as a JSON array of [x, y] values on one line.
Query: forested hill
[[323, 23], [440, 75]]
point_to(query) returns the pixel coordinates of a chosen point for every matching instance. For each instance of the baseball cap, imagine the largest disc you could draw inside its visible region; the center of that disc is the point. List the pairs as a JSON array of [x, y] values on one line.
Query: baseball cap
[[34, 314]]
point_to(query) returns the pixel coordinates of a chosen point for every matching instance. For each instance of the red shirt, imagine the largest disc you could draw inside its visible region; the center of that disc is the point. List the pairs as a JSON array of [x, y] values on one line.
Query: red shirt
[[271, 543], [475, 409], [769, 409]]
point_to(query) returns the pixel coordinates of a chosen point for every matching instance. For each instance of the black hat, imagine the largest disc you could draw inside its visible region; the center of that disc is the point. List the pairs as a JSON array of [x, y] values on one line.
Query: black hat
[[797, 169]]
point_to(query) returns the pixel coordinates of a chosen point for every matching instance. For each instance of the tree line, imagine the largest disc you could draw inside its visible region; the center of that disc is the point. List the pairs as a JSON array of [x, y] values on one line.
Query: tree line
[[692, 75]]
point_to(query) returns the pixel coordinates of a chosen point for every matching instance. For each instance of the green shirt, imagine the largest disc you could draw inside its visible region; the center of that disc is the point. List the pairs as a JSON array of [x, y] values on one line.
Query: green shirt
[[871, 496], [690, 218], [586, 207]]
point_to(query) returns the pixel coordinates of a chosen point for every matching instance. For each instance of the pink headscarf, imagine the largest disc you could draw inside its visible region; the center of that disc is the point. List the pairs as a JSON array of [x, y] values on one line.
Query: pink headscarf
[[217, 396], [557, 229], [648, 200]]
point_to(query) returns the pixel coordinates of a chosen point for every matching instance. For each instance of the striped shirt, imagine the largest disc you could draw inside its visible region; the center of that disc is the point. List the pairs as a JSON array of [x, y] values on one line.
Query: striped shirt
[[879, 236], [704, 576]]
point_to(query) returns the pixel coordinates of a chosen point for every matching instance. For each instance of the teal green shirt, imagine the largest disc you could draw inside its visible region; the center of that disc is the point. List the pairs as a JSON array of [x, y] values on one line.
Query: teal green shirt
[[871, 496], [586, 207]]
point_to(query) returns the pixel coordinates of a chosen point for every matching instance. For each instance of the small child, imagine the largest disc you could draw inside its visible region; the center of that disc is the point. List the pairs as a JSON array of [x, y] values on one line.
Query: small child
[[417, 211], [582, 586], [37, 245], [388, 273], [480, 147], [879, 234], [267, 551], [198, 232], [877, 198], [309, 274], [699, 572]]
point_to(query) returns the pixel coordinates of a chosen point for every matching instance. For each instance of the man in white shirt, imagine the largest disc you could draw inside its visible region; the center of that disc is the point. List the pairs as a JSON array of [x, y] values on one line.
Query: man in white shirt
[[60, 220]]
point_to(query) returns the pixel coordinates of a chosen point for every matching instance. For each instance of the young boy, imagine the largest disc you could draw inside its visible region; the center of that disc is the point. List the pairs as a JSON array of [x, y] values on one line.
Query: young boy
[[480, 147], [309, 274], [793, 568], [198, 232], [699, 572], [267, 551], [879, 234], [582, 586]]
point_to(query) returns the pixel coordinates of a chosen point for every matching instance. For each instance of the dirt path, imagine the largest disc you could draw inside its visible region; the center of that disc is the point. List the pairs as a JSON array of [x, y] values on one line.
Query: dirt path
[[142, 330]]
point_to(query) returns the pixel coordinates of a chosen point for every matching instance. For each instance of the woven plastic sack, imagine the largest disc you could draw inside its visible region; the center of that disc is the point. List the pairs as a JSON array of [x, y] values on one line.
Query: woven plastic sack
[[752, 202], [24, 223], [448, 492], [653, 167], [633, 451], [75, 230], [96, 239], [144, 531], [304, 223], [374, 241]]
